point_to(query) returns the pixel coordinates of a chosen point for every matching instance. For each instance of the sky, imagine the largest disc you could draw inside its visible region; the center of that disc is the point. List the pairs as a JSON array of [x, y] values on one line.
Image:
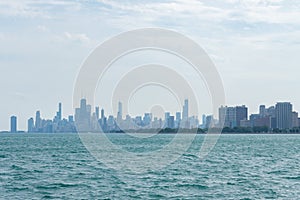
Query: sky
[[254, 44]]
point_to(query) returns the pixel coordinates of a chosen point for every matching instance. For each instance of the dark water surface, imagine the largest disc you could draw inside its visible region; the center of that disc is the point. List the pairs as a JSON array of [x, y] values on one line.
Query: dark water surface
[[57, 166]]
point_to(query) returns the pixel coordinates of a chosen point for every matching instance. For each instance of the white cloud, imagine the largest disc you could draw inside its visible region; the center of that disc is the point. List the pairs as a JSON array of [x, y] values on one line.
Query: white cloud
[[77, 37], [35, 8], [268, 11]]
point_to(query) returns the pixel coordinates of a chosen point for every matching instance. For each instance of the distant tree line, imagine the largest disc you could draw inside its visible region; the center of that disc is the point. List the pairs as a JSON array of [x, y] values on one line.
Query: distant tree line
[[249, 130]]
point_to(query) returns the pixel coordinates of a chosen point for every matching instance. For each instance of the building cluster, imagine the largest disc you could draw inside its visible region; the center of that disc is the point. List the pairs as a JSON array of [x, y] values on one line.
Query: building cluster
[[280, 116], [88, 121], [57, 125]]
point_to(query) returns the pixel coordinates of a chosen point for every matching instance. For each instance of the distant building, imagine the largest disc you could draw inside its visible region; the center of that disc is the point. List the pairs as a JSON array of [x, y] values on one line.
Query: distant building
[[245, 123], [13, 124], [170, 122], [71, 118], [295, 122], [147, 119], [262, 121], [83, 116], [185, 112], [262, 110], [241, 113], [271, 111], [30, 125], [120, 113], [38, 121], [167, 116], [111, 124], [97, 112], [193, 122], [209, 121], [59, 113], [284, 115], [178, 119], [232, 116]]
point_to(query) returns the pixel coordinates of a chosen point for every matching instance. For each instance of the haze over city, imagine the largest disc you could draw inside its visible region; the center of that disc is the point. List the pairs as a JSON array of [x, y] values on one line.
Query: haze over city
[[254, 45]]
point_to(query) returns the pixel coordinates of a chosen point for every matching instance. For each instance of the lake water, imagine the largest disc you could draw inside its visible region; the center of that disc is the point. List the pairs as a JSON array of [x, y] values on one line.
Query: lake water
[[58, 166]]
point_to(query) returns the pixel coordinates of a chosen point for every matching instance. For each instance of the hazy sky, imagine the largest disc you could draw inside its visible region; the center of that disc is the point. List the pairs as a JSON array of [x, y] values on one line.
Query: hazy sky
[[255, 45]]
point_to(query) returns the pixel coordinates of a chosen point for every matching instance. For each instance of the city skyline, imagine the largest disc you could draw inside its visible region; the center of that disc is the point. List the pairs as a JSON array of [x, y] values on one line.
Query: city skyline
[[85, 118]]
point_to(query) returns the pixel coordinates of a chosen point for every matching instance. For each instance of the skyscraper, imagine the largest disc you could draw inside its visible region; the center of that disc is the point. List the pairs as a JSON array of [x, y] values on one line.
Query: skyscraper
[[83, 116], [59, 114], [170, 122], [30, 125], [13, 124], [178, 116], [83, 104], [284, 112], [119, 114], [167, 116], [178, 119], [185, 112], [102, 114], [38, 121], [97, 112]]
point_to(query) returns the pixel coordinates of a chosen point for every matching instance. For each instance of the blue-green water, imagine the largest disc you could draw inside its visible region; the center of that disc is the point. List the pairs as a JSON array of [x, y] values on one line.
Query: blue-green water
[[57, 166]]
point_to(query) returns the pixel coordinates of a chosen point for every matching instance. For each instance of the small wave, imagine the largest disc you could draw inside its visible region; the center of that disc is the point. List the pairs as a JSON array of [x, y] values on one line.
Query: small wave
[[276, 172], [57, 186], [16, 167], [190, 156], [48, 197], [15, 189], [197, 186], [292, 177], [230, 183]]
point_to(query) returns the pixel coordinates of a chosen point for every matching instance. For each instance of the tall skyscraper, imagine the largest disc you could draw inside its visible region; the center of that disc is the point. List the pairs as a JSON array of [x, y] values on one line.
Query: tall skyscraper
[[83, 104], [97, 112], [13, 124], [102, 113], [119, 114], [59, 114], [38, 120], [102, 120], [167, 116], [83, 116], [178, 119], [284, 114], [185, 112], [178, 116], [30, 125]]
